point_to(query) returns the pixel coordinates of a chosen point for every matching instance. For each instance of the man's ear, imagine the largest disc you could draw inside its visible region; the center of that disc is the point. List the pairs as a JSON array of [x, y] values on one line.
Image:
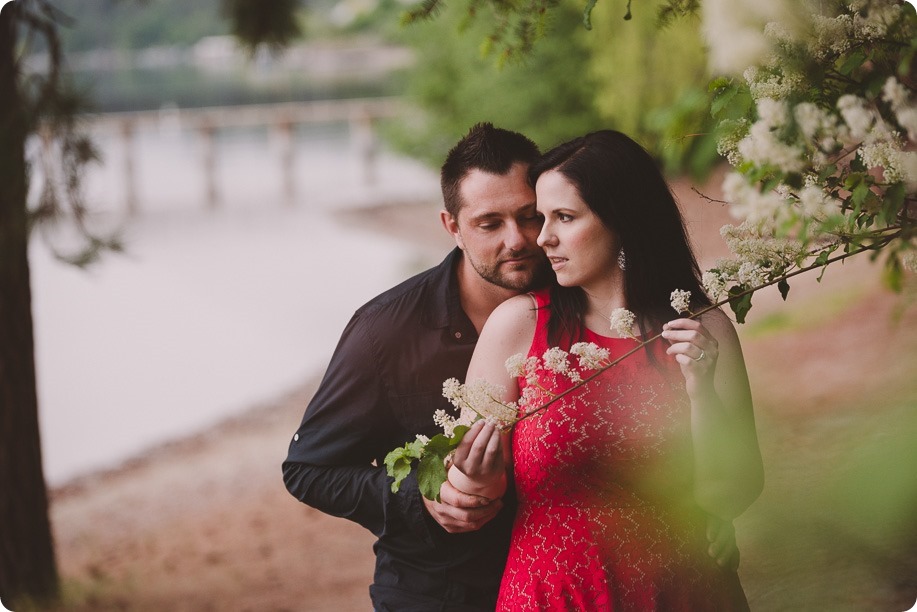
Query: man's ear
[[451, 224]]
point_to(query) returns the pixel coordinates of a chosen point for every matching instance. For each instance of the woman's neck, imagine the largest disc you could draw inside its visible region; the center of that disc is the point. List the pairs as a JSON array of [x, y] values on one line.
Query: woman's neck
[[601, 300]]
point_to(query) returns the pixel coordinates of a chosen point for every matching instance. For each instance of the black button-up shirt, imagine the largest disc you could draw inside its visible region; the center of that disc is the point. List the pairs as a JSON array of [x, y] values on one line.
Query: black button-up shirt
[[381, 388]]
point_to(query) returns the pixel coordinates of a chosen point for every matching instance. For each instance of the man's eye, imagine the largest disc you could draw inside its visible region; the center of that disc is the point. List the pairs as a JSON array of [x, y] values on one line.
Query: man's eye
[[488, 226]]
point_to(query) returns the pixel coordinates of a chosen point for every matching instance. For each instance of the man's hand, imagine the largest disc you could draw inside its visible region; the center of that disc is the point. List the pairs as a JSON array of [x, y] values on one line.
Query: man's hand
[[721, 536], [459, 512]]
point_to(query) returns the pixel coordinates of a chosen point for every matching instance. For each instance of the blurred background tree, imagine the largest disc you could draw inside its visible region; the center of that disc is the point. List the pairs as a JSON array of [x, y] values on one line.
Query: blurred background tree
[[39, 101], [455, 85], [645, 76], [637, 76], [651, 82]]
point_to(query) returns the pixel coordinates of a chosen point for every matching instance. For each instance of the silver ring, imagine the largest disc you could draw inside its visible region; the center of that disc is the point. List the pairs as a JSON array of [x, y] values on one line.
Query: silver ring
[[702, 355]]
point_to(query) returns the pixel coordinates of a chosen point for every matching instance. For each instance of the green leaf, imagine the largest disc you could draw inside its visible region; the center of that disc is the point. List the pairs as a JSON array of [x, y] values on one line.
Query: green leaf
[[894, 201], [398, 463], [853, 62], [431, 474], [431, 471], [719, 83], [859, 194], [853, 180], [784, 288], [827, 171], [587, 14], [723, 97], [740, 305], [892, 274]]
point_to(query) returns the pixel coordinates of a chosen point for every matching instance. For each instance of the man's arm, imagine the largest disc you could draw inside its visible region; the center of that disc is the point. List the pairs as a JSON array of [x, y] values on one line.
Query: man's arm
[[329, 464]]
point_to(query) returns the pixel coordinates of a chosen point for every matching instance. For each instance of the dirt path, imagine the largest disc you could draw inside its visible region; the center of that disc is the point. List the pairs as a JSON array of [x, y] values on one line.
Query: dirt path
[[205, 523]]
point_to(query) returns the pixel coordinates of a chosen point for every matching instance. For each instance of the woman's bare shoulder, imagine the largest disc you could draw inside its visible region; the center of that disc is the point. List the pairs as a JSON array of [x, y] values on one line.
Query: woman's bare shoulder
[[722, 329], [718, 322], [515, 318]]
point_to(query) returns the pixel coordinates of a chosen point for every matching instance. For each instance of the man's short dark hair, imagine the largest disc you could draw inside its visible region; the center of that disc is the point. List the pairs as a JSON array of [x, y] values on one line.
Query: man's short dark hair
[[486, 148]]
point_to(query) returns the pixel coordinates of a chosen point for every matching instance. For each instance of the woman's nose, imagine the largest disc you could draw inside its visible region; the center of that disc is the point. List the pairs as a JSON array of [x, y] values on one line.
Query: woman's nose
[[546, 237]]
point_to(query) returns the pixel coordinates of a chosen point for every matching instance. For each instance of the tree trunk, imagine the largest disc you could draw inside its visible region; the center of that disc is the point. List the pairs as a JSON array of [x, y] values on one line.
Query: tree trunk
[[27, 565]]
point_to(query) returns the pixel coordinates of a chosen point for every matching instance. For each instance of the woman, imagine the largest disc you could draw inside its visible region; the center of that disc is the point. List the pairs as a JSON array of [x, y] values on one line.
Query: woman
[[615, 479]]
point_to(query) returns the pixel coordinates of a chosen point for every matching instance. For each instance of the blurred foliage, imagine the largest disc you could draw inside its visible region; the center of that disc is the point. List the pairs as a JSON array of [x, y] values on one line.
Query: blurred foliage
[[644, 76], [652, 82], [255, 22], [137, 24], [548, 95]]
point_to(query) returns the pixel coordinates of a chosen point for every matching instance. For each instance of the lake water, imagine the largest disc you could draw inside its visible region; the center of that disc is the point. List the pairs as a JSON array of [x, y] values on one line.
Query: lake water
[[209, 312]]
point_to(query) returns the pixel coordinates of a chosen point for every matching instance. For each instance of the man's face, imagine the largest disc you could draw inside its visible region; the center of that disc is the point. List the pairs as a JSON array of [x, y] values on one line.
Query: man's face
[[497, 228]]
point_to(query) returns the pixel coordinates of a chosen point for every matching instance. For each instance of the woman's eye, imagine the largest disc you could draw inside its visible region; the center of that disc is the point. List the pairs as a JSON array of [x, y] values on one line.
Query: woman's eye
[[563, 217]]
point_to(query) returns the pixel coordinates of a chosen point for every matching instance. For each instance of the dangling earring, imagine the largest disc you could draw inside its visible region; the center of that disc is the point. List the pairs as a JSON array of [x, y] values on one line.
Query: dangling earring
[[622, 260]]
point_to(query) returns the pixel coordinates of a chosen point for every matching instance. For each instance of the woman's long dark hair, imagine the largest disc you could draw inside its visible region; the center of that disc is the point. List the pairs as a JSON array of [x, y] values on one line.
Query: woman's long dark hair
[[622, 184]]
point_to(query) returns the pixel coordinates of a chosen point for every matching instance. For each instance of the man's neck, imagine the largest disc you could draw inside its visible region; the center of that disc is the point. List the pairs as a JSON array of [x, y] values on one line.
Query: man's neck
[[479, 297]]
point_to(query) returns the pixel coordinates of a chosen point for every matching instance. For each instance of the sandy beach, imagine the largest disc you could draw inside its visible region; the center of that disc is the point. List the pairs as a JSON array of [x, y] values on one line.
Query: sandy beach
[[204, 523]]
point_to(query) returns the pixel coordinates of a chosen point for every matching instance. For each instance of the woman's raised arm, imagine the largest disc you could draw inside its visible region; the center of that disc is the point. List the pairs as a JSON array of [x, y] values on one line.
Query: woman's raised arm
[[729, 474]]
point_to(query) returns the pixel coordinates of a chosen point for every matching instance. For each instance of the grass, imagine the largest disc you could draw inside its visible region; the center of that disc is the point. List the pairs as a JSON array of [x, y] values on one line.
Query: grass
[[805, 313]]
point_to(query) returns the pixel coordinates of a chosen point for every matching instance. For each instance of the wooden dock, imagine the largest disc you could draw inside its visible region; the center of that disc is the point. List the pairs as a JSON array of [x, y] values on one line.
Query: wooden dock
[[359, 114]]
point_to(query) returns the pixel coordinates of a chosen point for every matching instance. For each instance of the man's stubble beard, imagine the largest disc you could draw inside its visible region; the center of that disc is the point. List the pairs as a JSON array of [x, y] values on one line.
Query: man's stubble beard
[[537, 277]]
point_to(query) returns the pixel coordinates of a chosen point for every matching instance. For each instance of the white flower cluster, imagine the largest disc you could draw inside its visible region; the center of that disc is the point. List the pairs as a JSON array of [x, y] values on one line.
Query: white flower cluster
[[764, 84], [830, 35], [734, 30], [732, 131], [555, 360], [622, 322], [681, 301], [449, 423], [748, 202], [808, 138], [476, 398], [902, 105], [589, 356], [897, 166], [764, 146], [909, 261], [759, 258]]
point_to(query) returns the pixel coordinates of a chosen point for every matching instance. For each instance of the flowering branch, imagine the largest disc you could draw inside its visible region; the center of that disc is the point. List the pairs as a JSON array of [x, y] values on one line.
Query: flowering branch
[[694, 315], [480, 399]]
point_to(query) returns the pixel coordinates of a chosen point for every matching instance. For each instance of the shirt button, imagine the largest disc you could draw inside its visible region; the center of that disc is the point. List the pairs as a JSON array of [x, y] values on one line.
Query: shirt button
[[296, 438], [458, 334]]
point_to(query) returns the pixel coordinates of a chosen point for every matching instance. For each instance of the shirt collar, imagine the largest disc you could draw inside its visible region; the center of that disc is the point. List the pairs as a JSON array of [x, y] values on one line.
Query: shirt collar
[[444, 306]]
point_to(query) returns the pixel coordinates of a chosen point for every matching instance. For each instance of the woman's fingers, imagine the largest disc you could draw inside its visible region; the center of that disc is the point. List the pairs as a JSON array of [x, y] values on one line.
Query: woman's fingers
[[486, 448], [481, 452], [463, 450], [690, 341]]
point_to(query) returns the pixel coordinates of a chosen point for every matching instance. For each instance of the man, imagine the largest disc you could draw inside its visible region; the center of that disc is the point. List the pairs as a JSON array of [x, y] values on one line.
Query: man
[[385, 379]]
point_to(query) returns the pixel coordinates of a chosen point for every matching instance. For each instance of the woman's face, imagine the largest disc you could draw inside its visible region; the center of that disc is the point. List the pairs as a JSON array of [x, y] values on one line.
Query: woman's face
[[581, 249]]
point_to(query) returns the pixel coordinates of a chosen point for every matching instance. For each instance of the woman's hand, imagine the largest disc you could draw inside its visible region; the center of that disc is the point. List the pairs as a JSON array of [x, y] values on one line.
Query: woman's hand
[[478, 465], [728, 474], [695, 349]]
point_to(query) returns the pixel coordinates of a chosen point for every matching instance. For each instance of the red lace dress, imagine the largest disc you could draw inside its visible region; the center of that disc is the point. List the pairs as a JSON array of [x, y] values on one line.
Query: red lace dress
[[606, 519]]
